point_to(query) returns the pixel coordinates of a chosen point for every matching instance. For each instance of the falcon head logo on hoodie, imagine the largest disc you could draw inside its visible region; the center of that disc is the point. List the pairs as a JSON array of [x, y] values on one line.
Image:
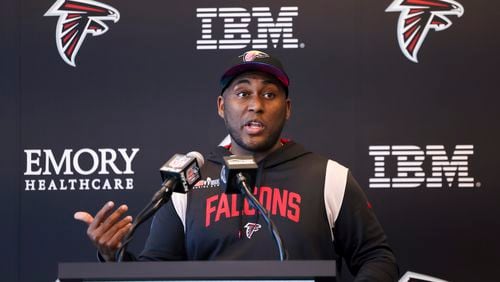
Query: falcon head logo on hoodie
[[251, 228], [417, 17], [78, 18]]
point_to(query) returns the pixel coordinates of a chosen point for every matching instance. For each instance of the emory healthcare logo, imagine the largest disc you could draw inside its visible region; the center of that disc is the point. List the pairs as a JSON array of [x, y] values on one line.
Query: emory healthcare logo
[[77, 19], [85, 169], [417, 17]]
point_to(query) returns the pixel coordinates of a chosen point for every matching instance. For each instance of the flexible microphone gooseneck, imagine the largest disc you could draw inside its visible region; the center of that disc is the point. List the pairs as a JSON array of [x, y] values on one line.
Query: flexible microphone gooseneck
[[241, 179], [237, 175], [179, 174]]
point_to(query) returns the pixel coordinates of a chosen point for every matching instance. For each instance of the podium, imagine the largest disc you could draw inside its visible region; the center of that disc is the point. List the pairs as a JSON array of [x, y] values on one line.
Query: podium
[[294, 270]]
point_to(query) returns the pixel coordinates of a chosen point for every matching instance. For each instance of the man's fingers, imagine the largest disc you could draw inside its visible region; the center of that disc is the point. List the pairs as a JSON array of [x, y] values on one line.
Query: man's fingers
[[84, 216], [101, 215], [118, 237], [112, 219], [110, 233], [109, 249]]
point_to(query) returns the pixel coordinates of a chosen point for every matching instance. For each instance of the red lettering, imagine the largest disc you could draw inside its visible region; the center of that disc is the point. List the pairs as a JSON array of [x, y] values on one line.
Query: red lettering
[[234, 203], [279, 202], [209, 209], [293, 213], [222, 208], [266, 192], [247, 210]]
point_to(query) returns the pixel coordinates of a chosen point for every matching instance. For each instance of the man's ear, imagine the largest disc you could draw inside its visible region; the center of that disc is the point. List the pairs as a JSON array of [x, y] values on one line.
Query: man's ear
[[220, 106]]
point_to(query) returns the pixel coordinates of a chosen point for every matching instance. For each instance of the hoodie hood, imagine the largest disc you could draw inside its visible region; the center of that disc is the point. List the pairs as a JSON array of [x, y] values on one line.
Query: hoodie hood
[[289, 151]]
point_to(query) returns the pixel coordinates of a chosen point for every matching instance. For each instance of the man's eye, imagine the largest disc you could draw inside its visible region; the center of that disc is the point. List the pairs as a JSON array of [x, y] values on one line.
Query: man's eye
[[269, 95], [242, 94]]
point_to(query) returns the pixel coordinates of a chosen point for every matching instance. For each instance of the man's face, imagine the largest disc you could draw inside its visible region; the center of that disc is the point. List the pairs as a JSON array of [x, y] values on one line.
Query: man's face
[[254, 108]]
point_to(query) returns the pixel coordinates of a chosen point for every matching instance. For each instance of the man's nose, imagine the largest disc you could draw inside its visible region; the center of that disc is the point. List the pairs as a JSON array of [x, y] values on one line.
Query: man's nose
[[255, 103]]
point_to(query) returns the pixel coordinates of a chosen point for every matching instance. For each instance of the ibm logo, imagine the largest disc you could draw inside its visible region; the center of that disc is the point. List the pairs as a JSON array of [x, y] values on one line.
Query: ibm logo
[[409, 166], [276, 31]]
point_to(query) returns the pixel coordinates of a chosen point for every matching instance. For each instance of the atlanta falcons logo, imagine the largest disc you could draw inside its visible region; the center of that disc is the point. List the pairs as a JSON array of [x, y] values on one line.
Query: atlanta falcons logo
[[417, 17], [251, 228], [78, 18], [252, 55]]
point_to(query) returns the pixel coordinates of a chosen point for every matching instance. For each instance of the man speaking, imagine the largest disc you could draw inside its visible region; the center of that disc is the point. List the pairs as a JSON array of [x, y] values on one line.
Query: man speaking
[[316, 204]]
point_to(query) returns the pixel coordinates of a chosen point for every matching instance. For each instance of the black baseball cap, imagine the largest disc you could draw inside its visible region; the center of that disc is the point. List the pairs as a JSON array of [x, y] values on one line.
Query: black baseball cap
[[255, 60]]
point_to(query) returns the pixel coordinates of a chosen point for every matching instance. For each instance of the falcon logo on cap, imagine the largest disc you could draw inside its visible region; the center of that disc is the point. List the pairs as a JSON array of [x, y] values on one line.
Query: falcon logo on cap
[[252, 55], [78, 18], [417, 17], [255, 61]]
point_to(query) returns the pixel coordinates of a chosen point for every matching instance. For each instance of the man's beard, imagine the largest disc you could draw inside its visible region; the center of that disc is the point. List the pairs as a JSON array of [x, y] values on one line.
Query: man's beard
[[262, 147]]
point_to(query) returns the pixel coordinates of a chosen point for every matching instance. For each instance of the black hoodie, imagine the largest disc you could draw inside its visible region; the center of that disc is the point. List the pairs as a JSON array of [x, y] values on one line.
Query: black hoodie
[[318, 207]]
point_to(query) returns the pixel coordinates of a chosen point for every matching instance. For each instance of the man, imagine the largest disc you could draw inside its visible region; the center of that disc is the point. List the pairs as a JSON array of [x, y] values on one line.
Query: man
[[318, 207]]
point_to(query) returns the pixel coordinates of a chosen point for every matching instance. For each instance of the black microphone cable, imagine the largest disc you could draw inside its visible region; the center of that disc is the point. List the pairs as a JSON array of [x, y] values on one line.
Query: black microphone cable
[[161, 197], [265, 214]]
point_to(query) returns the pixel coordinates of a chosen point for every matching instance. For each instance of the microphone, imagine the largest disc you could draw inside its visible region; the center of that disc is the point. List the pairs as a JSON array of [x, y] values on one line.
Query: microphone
[[185, 169], [238, 176], [179, 174], [233, 165]]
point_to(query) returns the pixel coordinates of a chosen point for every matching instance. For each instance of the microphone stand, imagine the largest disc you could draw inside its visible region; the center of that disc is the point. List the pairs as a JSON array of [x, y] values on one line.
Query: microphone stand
[[159, 199], [241, 179]]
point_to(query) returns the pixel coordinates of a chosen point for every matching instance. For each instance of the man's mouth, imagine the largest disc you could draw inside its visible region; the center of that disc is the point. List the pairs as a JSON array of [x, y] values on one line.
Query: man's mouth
[[253, 127]]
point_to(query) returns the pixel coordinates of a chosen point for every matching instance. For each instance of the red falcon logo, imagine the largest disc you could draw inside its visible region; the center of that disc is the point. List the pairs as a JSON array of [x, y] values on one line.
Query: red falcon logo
[[252, 55], [78, 18], [251, 228], [417, 17]]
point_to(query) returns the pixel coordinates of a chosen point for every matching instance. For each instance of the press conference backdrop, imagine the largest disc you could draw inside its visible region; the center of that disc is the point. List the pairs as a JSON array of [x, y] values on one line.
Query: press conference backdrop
[[95, 96]]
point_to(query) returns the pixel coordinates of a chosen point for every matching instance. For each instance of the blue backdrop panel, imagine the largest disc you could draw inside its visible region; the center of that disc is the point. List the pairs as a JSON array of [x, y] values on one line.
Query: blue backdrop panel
[[9, 141], [145, 84]]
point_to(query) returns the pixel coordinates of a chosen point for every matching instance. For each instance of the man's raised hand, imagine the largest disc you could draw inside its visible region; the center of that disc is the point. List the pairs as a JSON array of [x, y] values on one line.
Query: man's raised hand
[[107, 229]]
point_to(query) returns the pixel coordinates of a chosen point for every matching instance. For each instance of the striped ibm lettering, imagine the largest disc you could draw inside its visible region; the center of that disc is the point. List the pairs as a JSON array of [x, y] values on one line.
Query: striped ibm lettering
[[410, 172], [237, 29]]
